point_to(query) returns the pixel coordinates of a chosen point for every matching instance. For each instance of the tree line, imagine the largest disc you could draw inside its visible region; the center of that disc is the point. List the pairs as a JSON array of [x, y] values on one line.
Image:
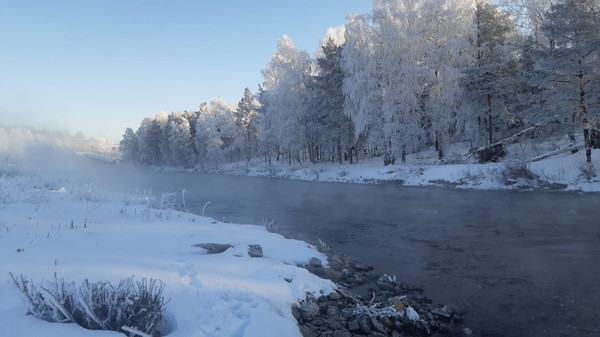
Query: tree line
[[407, 76]]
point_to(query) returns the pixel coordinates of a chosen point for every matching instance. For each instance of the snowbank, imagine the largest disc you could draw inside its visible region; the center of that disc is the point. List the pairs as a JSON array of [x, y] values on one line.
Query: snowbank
[[82, 232], [562, 172]]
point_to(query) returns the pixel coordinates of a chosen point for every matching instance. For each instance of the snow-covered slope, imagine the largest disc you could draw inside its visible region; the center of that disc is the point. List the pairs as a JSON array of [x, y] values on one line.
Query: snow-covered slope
[[79, 232]]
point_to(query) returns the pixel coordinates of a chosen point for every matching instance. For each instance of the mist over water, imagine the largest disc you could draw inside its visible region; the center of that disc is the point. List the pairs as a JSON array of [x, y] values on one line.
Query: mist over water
[[519, 263]]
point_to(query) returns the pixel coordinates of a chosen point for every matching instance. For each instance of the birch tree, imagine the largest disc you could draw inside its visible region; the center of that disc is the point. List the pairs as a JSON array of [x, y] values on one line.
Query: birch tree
[[285, 78]]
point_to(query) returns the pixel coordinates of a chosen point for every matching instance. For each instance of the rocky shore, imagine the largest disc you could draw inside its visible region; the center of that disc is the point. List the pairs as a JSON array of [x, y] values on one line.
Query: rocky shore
[[392, 308]]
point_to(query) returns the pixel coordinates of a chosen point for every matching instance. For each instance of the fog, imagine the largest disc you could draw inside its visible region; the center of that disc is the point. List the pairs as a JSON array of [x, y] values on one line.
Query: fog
[[517, 262]]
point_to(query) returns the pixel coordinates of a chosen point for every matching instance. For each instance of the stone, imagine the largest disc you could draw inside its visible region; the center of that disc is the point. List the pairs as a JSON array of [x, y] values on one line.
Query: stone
[[388, 322], [378, 326], [296, 313], [333, 311], [441, 314], [364, 325], [314, 262], [334, 323], [213, 248], [306, 331], [334, 276], [362, 267], [353, 325], [341, 333], [309, 309], [334, 296], [255, 251], [395, 333], [336, 262]]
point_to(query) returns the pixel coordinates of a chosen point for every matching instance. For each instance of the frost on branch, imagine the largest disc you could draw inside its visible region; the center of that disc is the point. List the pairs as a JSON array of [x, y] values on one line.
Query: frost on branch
[[137, 305]]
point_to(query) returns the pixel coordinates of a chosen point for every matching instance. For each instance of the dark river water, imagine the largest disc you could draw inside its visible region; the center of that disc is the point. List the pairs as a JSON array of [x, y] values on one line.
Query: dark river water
[[519, 263]]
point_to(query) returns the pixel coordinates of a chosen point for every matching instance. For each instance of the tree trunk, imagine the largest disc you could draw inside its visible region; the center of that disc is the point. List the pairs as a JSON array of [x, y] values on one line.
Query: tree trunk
[[587, 136], [489, 102]]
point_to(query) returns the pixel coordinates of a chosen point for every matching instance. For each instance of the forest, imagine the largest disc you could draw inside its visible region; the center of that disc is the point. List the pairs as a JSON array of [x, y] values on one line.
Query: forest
[[408, 76]]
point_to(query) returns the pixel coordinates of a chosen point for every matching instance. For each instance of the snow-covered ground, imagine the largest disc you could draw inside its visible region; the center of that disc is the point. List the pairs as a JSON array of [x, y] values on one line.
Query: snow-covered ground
[[561, 172], [49, 226]]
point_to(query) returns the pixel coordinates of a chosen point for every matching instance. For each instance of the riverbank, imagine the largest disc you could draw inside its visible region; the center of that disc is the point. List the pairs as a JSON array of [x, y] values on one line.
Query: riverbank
[[56, 230], [57, 234], [388, 307], [566, 171]]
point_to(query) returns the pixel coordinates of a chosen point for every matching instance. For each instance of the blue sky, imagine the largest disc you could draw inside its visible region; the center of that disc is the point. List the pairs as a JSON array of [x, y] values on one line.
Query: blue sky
[[101, 66]]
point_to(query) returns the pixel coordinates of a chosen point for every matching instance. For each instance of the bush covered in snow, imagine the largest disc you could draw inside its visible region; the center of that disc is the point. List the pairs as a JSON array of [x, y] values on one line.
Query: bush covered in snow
[[130, 305]]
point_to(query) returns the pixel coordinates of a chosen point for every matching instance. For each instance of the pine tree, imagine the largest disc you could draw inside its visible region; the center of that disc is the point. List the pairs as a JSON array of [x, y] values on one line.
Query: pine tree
[[329, 127], [130, 146], [570, 68], [492, 80], [246, 118]]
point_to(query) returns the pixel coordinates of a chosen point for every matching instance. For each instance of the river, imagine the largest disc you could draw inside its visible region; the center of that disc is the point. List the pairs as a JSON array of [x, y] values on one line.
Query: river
[[519, 263]]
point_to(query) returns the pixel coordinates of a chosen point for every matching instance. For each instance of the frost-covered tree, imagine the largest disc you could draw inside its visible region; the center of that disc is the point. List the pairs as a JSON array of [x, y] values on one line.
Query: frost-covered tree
[[570, 68], [362, 82], [216, 133], [177, 133], [246, 119], [285, 79], [492, 82], [328, 128], [130, 146], [150, 135], [409, 62], [529, 16]]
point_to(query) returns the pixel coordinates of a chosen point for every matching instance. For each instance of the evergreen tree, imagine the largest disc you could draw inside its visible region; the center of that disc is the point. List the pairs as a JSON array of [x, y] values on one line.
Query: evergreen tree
[[329, 128], [246, 117], [130, 146], [491, 83], [570, 68]]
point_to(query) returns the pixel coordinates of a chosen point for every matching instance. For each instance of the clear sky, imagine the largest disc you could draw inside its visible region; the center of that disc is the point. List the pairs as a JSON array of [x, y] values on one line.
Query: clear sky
[[101, 66]]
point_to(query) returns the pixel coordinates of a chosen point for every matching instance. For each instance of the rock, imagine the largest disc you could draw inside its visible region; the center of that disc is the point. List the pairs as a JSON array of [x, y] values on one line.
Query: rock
[[309, 309], [364, 325], [336, 262], [387, 322], [353, 325], [395, 333], [333, 311], [362, 267], [334, 276], [334, 315], [378, 326], [334, 323], [341, 333], [213, 248], [306, 331], [296, 313], [314, 262], [441, 314], [334, 296], [255, 251]]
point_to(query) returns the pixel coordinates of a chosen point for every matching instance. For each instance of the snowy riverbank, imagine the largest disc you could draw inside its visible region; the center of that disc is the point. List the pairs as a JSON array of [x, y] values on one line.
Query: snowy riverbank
[[561, 172], [52, 227]]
